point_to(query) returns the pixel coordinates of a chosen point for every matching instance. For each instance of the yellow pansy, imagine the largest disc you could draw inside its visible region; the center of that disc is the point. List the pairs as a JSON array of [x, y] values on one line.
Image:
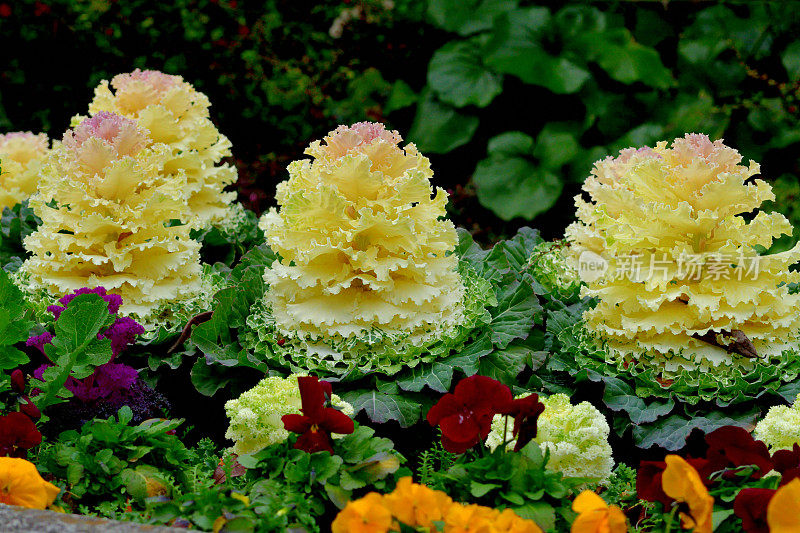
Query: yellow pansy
[[783, 509], [21, 484], [682, 483], [596, 516], [366, 515]]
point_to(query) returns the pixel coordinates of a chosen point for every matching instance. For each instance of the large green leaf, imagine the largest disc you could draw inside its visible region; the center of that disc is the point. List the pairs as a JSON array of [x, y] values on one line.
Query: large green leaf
[[439, 375], [671, 433], [520, 177], [467, 16], [516, 48], [439, 128], [381, 407], [620, 396], [627, 61], [15, 323], [459, 77], [75, 349], [791, 60]]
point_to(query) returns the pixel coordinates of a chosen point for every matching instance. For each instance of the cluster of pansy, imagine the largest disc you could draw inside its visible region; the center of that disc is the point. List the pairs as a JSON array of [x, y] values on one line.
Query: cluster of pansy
[[106, 205], [176, 114], [21, 156], [733, 458], [255, 416], [683, 288], [366, 277], [465, 416], [411, 505], [576, 437]]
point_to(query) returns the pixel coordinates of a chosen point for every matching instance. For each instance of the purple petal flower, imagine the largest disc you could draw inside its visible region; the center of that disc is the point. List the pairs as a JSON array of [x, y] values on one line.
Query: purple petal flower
[[114, 301], [122, 333], [39, 341]]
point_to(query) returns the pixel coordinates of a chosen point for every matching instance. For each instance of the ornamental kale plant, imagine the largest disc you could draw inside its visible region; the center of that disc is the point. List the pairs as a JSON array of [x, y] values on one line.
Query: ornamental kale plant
[[21, 156], [698, 299], [176, 114], [385, 291], [113, 200]]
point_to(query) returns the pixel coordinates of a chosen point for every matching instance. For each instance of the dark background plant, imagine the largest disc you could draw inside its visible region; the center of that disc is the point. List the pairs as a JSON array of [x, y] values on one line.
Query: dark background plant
[[512, 99]]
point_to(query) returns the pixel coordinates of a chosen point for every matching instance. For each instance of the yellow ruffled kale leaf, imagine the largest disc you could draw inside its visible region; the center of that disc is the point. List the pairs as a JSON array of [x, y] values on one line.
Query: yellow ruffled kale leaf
[[105, 205], [21, 156], [367, 274], [176, 114], [684, 288]]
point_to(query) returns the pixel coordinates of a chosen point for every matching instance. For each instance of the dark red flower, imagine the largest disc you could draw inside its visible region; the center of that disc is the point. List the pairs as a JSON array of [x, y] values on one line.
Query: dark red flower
[[526, 413], [787, 462], [317, 421], [5, 10], [465, 416], [17, 434], [18, 381], [648, 482], [27, 407], [751, 506], [731, 447]]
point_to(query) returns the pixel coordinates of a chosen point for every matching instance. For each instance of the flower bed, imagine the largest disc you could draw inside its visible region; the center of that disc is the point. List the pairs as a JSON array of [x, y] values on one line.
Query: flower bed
[[352, 362]]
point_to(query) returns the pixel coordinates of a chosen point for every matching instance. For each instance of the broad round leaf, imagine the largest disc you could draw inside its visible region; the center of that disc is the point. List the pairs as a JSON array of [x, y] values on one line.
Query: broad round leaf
[[514, 187], [459, 77], [466, 17], [439, 128], [516, 49]]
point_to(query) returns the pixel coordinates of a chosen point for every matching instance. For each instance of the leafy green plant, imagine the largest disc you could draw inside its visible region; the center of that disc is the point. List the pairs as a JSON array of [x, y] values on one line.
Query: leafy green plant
[[112, 461], [15, 323], [513, 480], [360, 460]]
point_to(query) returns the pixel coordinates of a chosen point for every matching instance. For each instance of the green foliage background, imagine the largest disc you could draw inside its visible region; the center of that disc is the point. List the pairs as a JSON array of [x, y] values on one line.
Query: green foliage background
[[513, 100]]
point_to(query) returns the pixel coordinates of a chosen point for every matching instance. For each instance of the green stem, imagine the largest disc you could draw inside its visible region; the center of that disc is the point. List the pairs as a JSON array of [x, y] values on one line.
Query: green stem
[[670, 518]]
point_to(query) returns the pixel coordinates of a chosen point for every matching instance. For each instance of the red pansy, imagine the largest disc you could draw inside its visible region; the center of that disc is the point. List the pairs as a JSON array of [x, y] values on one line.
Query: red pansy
[[787, 462], [751, 506], [17, 434], [526, 412], [317, 421], [465, 416], [648, 482], [731, 447]]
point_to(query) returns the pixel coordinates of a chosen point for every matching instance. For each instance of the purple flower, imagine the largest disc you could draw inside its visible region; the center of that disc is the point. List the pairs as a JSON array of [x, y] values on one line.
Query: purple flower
[[107, 382], [122, 333], [39, 341], [114, 301]]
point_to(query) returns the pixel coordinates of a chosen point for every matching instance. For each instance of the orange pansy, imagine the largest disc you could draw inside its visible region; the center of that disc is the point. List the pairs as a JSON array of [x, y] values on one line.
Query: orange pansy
[[596, 516], [21, 484], [682, 483], [365, 515], [784, 508], [417, 505]]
